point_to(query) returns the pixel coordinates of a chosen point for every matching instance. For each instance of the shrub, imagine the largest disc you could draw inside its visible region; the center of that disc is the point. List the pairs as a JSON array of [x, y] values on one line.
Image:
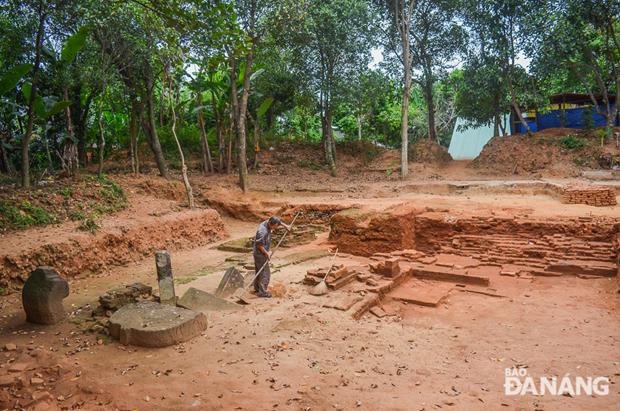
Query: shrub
[[572, 142]]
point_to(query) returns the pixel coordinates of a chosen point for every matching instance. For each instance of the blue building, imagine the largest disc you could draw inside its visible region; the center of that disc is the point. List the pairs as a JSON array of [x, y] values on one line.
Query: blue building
[[570, 110]]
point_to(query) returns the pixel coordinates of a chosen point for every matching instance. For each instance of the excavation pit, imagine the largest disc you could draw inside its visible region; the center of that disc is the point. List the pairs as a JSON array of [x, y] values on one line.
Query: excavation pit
[[421, 257]]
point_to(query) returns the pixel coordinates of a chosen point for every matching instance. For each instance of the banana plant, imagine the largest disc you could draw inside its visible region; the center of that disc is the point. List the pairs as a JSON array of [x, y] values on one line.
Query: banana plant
[[45, 107]]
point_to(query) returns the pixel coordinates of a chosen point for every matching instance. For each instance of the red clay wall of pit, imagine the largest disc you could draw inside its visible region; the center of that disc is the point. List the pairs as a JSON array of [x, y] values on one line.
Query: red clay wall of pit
[[85, 253]]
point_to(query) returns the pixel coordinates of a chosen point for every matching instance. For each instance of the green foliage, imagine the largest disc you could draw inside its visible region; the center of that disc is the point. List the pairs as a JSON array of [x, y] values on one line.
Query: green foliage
[[23, 215], [66, 191], [73, 45], [113, 196], [10, 79], [572, 142]]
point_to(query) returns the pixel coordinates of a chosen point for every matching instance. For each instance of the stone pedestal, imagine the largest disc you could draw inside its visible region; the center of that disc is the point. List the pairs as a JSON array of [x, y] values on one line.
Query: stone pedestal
[[150, 324], [42, 296], [164, 278]]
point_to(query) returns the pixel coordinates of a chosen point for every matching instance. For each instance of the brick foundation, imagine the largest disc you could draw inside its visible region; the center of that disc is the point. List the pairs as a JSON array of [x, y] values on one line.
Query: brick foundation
[[597, 196]]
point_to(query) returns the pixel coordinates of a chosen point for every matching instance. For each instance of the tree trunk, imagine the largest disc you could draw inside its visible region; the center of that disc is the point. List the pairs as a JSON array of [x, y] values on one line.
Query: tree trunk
[[48, 152], [134, 121], [161, 99], [359, 127], [241, 122], [150, 130], [255, 137], [101, 142], [207, 164], [80, 121], [5, 162], [516, 108], [430, 106], [220, 135], [404, 116], [188, 187], [70, 150], [328, 138], [234, 115], [229, 151], [25, 172]]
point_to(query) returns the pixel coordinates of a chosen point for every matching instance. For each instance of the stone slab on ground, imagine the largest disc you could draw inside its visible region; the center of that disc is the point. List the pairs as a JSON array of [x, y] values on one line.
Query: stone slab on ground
[[199, 300], [149, 324], [378, 311], [238, 245], [576, 267], [437, 273], [428, 294], [485, 271]]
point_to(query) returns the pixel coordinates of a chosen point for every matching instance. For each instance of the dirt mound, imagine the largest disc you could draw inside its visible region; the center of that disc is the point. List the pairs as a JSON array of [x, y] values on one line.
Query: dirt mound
[[560, 152], [521, 154], [290, 158], [428, 151], [153, 186]]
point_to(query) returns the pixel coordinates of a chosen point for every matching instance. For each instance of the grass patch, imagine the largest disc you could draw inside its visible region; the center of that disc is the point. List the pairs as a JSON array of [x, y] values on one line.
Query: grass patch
[[23, 215], [86, 201], [572, 142]]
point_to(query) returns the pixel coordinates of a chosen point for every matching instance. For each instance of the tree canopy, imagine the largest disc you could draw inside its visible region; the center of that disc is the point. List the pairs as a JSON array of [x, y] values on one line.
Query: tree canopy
[[159, 83]]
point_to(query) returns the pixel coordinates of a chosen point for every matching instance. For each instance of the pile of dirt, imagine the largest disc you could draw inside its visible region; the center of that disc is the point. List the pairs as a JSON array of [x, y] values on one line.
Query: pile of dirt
[[153, 186], [429, 152], [290, 158], [558, 152], [524, 155]]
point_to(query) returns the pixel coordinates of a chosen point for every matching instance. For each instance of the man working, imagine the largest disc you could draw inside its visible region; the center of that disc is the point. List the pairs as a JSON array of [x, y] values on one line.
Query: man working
[[262, 242]]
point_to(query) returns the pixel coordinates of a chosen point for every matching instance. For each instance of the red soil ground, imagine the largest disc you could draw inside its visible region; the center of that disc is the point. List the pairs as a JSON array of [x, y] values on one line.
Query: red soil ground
[[292, 352]]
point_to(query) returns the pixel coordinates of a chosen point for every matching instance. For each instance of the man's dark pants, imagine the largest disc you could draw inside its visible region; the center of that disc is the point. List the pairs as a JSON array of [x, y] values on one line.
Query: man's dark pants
[[261, 283]]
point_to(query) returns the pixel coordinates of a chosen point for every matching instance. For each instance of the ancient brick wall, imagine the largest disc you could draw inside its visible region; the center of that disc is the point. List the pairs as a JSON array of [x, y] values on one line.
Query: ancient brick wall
[[435, 230], [597, 196], [365, 233]]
